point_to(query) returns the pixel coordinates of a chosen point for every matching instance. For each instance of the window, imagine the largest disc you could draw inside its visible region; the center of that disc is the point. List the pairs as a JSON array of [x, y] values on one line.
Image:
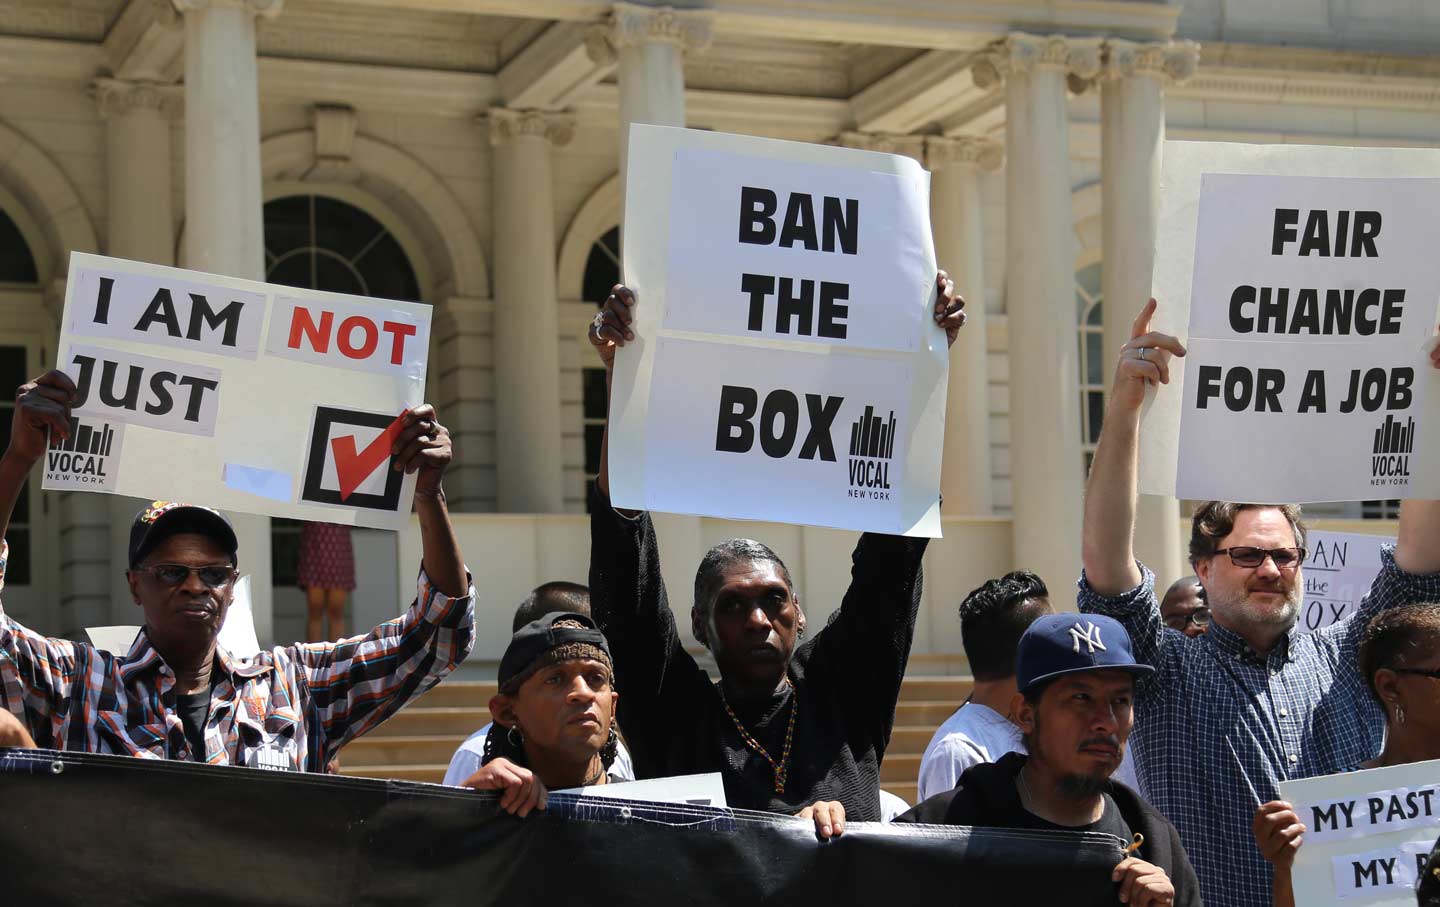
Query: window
[[321, 243], [602, 271], [17, 264], [18, 570], [1091, 359]]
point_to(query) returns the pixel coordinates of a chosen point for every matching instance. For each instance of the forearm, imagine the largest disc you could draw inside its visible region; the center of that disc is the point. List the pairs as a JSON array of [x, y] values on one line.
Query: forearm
[[1284, 893], [440, 550], [1417, 550], [1108, 539]]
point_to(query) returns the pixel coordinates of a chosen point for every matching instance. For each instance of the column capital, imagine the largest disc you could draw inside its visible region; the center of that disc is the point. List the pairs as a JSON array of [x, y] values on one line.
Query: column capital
[[885, 142], [117, 97], [1171, 62], [1019, 53], [631, 24], [268, 9], [976, 151], [506, 124]]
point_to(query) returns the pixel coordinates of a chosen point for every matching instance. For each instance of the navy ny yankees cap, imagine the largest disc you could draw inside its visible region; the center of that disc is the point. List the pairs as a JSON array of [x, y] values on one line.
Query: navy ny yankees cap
[[1060, 644]]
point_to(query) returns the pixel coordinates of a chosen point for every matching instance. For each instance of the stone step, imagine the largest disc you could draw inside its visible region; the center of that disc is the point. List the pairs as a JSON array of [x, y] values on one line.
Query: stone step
[[458, 694], [432, 773], [903, 769], [378, 752], [936, 689], [419, 721]]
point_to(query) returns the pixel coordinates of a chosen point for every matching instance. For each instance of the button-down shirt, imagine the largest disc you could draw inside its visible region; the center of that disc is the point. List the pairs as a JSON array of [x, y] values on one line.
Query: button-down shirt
[[1220, 726], [288, 708]]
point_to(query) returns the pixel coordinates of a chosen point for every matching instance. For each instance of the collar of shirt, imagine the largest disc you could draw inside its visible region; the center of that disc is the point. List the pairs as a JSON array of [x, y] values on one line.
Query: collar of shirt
[[1234, 645], [144, 657]]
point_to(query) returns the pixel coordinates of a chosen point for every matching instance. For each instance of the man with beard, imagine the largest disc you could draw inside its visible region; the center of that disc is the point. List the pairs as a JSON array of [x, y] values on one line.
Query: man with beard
[[1254, 701], [1076, 677]]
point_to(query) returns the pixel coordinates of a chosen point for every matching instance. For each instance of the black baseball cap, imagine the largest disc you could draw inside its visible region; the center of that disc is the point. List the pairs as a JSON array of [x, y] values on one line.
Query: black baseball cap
[[162, 519], [1060, 644], [539, 637]]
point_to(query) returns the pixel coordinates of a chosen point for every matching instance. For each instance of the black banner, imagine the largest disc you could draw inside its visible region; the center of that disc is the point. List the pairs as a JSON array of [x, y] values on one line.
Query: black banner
[[87, 829]]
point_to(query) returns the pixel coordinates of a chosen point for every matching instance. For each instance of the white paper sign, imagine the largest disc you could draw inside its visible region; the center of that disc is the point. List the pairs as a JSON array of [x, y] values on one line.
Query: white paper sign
[[785, 366], [181, 400], [1309, 290], [695, 790], [1339, 570], [1367, 834]]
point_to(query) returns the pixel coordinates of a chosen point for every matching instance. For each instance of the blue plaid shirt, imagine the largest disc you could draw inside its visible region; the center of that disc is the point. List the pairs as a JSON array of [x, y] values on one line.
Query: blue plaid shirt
[[1218, 727]]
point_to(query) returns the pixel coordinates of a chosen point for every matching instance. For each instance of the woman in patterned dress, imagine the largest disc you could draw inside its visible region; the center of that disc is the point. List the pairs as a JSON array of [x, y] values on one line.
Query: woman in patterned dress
[[327, 574]]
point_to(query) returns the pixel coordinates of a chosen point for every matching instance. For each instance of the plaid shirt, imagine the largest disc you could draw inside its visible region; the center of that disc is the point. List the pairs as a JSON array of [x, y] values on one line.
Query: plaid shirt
[[1218, 726], [289, 708]]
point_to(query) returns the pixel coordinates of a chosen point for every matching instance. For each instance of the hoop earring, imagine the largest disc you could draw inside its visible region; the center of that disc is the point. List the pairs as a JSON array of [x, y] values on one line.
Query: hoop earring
[[516, 739]]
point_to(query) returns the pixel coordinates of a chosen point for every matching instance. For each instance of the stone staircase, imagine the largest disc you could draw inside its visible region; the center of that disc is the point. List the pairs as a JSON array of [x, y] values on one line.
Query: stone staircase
[[417, 744]]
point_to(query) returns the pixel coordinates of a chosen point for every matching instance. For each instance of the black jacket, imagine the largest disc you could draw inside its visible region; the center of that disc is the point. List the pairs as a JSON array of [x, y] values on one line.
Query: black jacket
[[986, 797]]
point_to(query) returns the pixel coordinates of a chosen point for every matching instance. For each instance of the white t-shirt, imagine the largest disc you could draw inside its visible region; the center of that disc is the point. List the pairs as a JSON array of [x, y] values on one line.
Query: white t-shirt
[[471, 753], [976, 733]]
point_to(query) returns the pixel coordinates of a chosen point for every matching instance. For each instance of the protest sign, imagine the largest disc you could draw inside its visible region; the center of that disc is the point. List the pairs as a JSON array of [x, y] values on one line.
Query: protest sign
[[1367, 834], [236, 394], [1304, 285], [785, 365], [1339, 570]]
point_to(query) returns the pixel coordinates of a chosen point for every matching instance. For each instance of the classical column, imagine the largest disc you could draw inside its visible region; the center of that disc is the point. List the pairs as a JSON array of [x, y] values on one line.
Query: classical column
[[224, 230], [141, 227], [528, 462], [1045, 448], [1132, 133], [649, 43], [955, 218]]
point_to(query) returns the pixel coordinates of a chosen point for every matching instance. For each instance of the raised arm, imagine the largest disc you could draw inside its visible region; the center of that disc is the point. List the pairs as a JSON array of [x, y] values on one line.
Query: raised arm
[[359, 682], [1418, 548], [1108, 540]]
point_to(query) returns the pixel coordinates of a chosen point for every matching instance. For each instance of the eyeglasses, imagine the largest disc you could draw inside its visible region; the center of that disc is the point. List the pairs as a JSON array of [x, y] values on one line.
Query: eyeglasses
[[213, 575], [1245, 556], [1200, 617], [1433, 673]]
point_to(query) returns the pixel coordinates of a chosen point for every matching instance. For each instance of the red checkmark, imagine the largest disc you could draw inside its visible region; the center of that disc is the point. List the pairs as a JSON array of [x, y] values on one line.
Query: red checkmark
[[351, 467]]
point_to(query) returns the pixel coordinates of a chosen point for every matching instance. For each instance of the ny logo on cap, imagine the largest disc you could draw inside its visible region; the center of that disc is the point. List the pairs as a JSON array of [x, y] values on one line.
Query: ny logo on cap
[[1089, 635]]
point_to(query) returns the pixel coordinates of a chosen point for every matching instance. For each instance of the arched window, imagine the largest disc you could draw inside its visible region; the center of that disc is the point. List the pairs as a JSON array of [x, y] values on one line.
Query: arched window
[[320, 243], [1091, 358], [602, 271], [17, 262]]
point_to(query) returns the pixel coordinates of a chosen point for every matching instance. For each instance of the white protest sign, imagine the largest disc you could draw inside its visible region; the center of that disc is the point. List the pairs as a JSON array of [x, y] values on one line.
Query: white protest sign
[[785, 365], [1367, 834], [1303, 284], [236, 394], [1339, 570]]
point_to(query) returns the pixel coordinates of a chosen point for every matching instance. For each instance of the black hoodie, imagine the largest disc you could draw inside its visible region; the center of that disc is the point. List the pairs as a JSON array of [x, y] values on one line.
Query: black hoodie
[[986, 797]]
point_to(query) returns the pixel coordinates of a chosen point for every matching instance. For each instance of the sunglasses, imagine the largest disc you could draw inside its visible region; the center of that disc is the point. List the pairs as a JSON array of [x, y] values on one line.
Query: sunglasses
[[1245, 556], [1200, 617], [213, 575], [1433, 673]]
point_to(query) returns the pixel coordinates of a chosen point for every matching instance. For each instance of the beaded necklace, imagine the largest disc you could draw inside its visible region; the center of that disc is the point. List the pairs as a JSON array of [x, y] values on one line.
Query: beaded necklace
[[782, 768]]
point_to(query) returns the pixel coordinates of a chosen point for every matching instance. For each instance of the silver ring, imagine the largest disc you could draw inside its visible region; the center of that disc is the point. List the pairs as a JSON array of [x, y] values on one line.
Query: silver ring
[[1142, 352], [598, 320]]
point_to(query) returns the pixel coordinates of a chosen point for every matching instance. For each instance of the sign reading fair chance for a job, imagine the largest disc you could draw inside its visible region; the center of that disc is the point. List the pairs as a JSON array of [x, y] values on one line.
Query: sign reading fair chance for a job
[[1312, 298], [236, 394], [786, 366]]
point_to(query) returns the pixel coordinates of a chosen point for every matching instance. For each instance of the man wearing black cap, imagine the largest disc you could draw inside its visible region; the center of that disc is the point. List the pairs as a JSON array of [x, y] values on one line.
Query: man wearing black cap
[[554, 713], [176, 694], [1076, 675]]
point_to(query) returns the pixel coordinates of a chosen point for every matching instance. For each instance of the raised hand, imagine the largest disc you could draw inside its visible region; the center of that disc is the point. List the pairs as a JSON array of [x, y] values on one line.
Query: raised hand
[[610, 329], [949, 307], [1144, 361], [41, 405]]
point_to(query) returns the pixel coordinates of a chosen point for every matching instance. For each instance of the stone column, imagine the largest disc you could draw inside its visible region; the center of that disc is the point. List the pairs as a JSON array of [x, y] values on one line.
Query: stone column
[[528, 462], [1045, 448], [224, 230], [649, 43], [1132, 133], [140, 227], [955, 217]]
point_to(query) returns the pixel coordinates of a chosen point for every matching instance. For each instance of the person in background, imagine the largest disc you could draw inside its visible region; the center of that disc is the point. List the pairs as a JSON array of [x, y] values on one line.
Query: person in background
[[1183, 608], [1254, 701], [992, 620], [542, 600], [1076, 676], [1400, 658], [327, 574]]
